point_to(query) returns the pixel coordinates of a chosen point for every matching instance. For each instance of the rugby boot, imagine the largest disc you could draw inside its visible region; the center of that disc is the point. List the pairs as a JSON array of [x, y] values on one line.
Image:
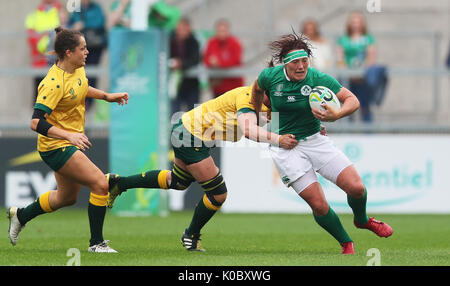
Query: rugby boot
[[14, 225], [380, 228], [348, 248], [192, 242], [113, 188]]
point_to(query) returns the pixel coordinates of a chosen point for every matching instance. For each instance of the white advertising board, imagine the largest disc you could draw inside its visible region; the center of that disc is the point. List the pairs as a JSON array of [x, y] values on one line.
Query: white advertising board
[[402, 173]]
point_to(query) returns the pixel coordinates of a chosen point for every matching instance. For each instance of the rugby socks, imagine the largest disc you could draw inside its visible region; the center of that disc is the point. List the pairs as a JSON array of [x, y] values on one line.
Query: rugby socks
[[203, 212], [208, 205], [155, 179], [331, 223], [96, 214], [359, 208], [38, 207]]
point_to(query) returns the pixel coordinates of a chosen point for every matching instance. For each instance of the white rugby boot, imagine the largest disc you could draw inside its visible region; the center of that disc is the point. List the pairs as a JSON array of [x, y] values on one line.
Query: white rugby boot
[[14, 225], [102, 247]]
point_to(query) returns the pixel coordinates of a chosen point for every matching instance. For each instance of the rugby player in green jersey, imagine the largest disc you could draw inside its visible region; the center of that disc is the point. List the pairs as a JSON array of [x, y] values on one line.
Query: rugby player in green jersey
[[288, 86]]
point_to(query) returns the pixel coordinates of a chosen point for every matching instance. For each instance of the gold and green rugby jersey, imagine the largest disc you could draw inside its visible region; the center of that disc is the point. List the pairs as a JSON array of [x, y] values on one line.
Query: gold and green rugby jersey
[[291, 100], [216, 119], [61, 95]]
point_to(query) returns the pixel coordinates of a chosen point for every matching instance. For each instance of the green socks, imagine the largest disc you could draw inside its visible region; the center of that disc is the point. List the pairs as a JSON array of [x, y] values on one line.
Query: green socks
[[96, 216], [359, 208], [150, 180], [29, 212], [202, 214], [38, 207], [331, 223]]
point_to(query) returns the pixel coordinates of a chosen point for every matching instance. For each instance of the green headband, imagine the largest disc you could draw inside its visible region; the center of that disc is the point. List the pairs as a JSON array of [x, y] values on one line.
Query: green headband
[[294, 55]]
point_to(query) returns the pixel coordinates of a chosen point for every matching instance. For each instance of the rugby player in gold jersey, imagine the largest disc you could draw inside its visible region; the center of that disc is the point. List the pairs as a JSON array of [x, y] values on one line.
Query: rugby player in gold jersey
[[59, 116]]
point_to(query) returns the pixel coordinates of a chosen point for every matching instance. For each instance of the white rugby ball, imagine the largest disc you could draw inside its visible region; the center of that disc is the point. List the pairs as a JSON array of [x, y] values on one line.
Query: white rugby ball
[[323, 95]]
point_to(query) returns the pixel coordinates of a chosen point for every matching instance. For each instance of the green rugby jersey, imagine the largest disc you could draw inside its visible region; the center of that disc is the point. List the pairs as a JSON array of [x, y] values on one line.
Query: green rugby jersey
[[291, 100]]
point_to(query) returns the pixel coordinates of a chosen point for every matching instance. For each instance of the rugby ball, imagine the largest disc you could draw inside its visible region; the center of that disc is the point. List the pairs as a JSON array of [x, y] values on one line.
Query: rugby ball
[[323, 95]]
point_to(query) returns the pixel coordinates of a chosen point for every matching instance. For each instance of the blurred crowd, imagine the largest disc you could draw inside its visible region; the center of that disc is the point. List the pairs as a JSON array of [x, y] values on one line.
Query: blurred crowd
[[221, 49]]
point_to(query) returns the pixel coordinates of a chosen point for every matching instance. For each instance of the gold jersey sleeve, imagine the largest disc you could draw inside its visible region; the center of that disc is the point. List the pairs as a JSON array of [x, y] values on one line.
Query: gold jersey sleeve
[[62, 96], [216, 119], [50, 92]]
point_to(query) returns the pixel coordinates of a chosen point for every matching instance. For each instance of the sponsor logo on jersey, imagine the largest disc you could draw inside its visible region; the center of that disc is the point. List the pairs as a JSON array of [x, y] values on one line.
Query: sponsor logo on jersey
[[306, 90], [285, 179], [72, 92], [291, 98], [278, 89]]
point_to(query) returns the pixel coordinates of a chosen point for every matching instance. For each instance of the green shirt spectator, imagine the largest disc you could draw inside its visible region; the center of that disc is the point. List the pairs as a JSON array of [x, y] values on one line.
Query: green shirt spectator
[[163, 16], [355, 49]]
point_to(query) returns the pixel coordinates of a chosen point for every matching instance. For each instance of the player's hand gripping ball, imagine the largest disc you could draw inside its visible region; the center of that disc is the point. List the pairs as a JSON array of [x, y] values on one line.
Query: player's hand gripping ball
[[323, 95]]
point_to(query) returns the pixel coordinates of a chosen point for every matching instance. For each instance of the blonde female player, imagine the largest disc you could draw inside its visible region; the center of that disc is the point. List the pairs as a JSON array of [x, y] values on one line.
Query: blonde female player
[[288, 86], [227, 117], [59, 116]]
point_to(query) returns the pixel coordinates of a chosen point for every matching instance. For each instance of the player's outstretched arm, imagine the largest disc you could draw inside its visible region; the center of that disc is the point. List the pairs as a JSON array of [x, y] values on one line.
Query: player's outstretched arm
[[121, 97], [250, 129]]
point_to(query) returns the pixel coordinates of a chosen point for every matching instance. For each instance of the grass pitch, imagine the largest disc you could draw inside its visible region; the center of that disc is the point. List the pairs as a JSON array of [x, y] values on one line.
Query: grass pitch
[[230, 240]]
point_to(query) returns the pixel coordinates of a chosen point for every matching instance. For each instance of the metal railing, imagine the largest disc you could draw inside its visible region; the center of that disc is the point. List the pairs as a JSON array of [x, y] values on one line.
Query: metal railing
[[436, 72]]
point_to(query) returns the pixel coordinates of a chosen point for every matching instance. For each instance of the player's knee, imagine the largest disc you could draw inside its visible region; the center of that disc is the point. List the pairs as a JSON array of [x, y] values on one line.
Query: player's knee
[[100, 186], [214, 202], [319, 207], [220, 198], [215, 190], [215, 186], [179, 179], [356, 189]]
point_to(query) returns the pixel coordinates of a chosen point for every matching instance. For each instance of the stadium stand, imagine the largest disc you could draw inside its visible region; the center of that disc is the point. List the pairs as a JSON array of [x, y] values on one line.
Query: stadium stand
[[414, 49]]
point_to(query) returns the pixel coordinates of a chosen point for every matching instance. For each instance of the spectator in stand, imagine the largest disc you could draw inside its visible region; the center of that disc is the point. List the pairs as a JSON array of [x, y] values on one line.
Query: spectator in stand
[[184, 54], [322, 57], [120, 14], [357, 50], [223, 51], [40, 24], [90, 21]]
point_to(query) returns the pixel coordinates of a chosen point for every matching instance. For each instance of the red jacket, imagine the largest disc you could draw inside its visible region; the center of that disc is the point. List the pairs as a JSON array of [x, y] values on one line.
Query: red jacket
[[40, 23], [229, 55]]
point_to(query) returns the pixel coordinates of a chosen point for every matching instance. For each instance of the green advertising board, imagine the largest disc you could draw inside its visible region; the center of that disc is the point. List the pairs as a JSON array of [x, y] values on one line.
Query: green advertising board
[[138, 131]]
